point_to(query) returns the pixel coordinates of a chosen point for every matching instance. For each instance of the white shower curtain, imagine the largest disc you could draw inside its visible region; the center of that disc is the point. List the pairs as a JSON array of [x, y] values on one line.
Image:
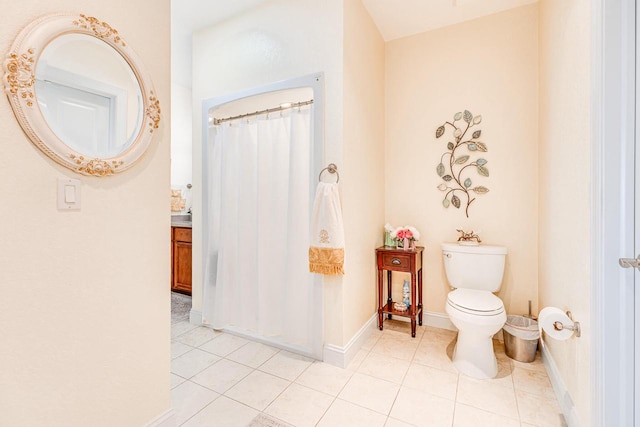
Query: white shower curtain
[[259, 210]]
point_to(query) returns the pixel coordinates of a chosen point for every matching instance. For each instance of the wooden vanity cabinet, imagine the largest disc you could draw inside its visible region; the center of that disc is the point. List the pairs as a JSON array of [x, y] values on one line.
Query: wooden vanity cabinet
[[181, 260]]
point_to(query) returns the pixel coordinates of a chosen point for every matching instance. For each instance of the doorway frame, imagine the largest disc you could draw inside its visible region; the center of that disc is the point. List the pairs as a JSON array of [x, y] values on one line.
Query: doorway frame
[[315, 82], [613, 126]]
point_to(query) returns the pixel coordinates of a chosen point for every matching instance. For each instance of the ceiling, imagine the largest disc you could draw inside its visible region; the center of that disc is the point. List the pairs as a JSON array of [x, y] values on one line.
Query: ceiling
[[401, 18], [394, 19]]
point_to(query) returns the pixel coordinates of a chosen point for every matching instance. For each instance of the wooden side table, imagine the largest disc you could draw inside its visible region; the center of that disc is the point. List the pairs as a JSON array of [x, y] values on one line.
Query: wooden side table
[[409, 261]]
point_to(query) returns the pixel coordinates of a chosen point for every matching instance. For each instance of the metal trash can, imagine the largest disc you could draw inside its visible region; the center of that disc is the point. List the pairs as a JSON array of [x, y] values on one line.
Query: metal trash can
[[521, 337]]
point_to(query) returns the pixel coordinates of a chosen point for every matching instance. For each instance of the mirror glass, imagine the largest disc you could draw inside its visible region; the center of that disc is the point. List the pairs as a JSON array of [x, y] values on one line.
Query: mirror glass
[[88, 95], [81, 94]]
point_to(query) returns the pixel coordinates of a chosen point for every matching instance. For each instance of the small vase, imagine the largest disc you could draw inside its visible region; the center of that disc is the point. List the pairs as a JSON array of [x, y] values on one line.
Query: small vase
[[406, 245], [388, 241], [413, 245]]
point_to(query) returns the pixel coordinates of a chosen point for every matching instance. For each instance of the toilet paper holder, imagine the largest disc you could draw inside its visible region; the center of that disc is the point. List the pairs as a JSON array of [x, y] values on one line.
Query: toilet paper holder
[[558, 326]]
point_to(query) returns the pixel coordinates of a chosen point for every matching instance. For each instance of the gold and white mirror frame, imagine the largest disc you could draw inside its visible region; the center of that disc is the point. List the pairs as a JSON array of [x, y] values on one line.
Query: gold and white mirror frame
[[19, 84]]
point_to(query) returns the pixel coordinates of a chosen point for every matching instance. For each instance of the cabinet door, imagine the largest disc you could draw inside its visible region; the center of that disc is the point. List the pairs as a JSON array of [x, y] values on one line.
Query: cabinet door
[[182, 267], [181, 260]]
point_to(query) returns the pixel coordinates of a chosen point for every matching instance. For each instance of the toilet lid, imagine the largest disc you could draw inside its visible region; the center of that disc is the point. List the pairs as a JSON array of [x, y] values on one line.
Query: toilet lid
[[482, 303]]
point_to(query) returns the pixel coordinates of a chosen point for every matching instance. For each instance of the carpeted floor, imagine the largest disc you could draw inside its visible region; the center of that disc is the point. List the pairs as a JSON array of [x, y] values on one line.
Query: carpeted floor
[[180, 307]]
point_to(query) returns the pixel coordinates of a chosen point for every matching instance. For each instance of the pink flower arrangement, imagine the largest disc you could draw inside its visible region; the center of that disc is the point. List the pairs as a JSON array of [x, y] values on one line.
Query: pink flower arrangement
[[406, 232]]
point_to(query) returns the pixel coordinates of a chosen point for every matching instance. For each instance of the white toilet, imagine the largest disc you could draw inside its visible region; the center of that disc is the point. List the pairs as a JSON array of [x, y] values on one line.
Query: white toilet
[[475, 272]]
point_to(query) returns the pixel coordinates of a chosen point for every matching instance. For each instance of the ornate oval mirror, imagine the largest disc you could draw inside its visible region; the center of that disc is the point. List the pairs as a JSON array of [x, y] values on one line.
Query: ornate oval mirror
[[81, 94]]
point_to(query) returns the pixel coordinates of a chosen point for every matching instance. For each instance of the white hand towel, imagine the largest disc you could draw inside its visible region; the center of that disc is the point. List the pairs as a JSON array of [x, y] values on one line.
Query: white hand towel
[[326, 253]]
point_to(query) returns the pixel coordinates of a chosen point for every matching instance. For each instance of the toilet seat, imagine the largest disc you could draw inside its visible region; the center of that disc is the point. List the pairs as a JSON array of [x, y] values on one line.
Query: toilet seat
[[475, 302]]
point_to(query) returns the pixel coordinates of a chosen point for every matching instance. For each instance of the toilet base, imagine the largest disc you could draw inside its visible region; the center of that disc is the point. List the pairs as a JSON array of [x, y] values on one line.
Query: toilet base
[[474, 356]]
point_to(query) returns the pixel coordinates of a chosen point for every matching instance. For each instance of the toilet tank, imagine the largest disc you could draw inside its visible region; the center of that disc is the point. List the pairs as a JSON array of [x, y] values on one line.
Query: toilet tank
[[474, 267]]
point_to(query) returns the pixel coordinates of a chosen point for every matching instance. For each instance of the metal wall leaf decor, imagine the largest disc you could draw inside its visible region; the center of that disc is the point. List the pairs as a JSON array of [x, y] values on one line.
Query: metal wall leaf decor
[[450, 169]]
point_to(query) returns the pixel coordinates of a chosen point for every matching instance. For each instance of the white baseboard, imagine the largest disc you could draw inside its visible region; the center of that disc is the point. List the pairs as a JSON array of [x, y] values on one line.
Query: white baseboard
[[559, 388], [342, 356], [167, 419], [431, 318], [195, 317], [438, 320]]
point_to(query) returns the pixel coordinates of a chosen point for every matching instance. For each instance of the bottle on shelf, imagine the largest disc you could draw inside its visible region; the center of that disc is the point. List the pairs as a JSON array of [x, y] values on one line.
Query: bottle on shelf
[[405, 293]]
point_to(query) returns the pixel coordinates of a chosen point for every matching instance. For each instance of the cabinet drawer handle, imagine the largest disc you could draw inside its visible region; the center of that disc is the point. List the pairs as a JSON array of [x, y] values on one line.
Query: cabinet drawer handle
[[396, 261]]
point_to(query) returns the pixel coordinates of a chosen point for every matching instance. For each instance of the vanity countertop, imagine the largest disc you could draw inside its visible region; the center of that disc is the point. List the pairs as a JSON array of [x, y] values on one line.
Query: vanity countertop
[[181, 221]]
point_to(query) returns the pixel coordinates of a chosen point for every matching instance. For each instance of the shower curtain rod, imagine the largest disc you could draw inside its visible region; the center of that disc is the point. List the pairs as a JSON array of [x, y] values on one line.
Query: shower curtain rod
[[282, 107]]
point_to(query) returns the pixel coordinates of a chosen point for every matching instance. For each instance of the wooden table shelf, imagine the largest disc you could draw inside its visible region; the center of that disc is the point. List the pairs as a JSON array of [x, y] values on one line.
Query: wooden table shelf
[[399, 260], [388, 309]]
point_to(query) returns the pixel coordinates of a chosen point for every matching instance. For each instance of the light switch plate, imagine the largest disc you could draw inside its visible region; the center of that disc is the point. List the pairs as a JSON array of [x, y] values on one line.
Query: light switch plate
[[68, 194]]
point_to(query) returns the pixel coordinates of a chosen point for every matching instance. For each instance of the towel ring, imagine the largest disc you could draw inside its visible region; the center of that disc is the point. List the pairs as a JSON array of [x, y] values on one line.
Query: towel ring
[[331, 168]]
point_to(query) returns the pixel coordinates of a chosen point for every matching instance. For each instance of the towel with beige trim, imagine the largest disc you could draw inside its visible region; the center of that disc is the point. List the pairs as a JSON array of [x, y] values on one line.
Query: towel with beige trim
[[326, 252]]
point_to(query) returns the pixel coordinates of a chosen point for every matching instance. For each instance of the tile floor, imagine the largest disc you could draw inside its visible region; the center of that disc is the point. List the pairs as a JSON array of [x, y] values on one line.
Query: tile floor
[[219, 379]]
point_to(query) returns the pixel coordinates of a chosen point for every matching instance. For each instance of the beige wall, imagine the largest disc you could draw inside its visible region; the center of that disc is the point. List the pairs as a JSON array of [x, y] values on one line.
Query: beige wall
[[84, 312], [564, 182], [490, 67], [362, 173], [280, 40], [181, 137]]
